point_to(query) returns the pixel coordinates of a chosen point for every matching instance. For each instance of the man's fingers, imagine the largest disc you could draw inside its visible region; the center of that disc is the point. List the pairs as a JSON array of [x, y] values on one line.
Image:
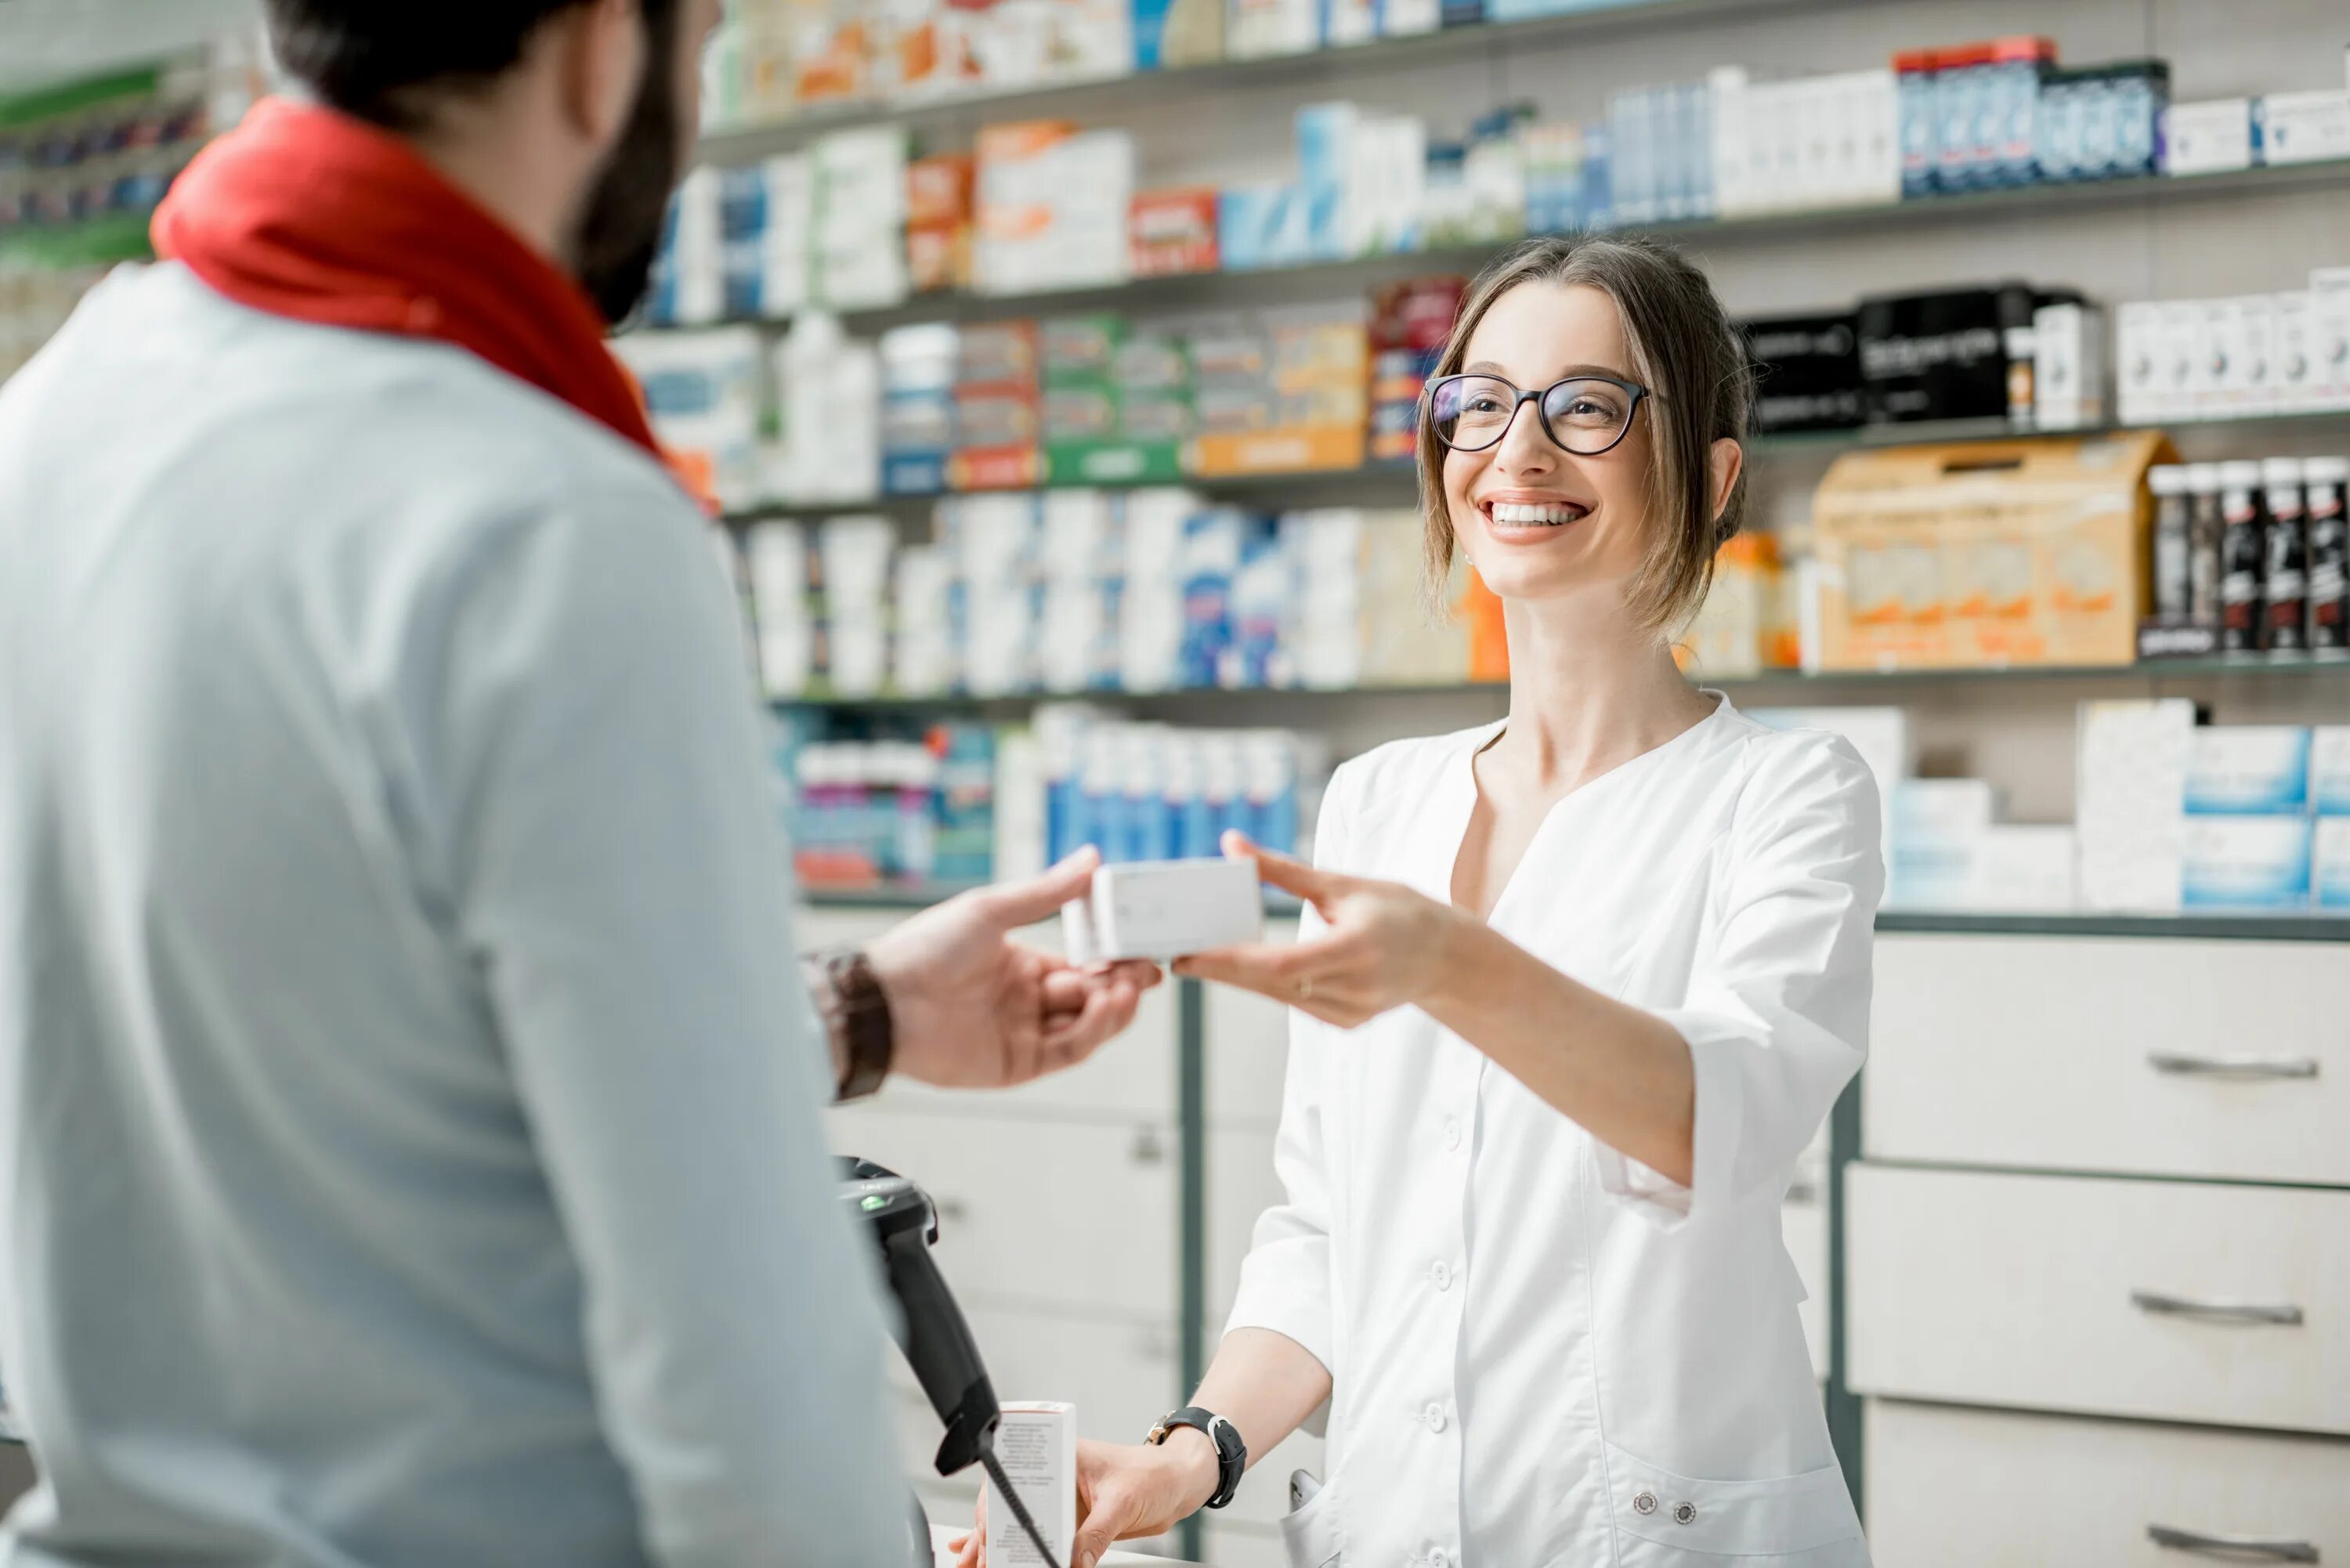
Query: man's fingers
[[1280, 871], [1070, 1041], [1012, 904]]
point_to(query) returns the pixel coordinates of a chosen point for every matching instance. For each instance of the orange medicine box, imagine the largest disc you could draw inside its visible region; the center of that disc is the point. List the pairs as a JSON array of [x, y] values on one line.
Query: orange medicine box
[[1985, 554], [1171, 232]]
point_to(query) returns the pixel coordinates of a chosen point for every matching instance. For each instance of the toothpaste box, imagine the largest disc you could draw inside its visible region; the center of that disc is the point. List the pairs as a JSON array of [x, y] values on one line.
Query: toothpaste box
[[2329, 770], [2330, 863], [2246, 863], [2239, 770]]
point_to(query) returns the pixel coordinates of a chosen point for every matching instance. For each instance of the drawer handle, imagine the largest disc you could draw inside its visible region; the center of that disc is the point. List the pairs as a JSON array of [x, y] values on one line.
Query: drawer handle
[[2242, 1548], [2163, 1305], [2233, 1067]]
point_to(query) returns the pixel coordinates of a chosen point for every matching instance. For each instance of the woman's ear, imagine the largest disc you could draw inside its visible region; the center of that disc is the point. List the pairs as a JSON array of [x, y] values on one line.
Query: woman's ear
[[1729, 461]]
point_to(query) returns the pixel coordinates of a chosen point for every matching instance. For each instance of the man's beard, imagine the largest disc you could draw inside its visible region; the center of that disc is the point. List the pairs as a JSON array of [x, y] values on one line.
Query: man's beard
[[620, 233]]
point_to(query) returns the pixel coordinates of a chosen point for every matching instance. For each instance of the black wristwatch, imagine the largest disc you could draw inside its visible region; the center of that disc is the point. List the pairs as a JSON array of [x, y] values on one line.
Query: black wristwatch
[[1232, 1454]]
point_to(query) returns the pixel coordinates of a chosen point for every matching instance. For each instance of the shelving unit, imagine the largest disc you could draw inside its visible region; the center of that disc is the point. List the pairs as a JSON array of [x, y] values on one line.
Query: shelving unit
[[1080, 97], [1259, 287]]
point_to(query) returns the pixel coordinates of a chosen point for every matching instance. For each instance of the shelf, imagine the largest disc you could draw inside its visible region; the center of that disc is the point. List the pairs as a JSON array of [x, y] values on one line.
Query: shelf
[[2277, 928], [1078, 99], [895, 897], [1214, 291], [1286, 492], [1793, 686]]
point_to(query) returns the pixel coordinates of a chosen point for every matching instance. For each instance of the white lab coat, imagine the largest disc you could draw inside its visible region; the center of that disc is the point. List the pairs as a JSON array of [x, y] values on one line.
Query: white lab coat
[[1544, 1352]]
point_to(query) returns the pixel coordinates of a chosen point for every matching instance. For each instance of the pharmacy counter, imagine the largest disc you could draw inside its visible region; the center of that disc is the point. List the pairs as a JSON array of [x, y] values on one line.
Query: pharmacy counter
[[941, 1534]]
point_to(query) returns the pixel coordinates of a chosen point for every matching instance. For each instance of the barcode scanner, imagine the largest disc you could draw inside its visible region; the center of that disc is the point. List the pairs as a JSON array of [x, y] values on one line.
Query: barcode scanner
[[931, 1330]]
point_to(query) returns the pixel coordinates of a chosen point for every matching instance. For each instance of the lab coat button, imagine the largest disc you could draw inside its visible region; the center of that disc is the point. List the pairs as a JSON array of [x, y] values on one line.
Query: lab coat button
[[1439, 1274], [1434, 1415], [1644, 1503], [1440, 1558], [1684, 1512], [1451, 1133]]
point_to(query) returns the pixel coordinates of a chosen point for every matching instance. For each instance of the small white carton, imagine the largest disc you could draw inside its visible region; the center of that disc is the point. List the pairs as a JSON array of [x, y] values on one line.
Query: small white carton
[[1164, 910], [2247, 770], [1037, 1446]]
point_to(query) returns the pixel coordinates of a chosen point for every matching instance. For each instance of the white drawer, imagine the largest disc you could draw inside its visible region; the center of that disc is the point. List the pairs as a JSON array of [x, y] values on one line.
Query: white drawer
[[1971, 1488], [1068, 1216], [2081, 1054], [2047, 1293]]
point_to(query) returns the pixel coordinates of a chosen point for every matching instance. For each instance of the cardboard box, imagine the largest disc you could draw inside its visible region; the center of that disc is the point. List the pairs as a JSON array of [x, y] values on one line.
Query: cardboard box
[[2304, 126], [2330, 863], [1989, 554], [2329, 770], [2260, 863], [1171, 232], [2329, 336], [2137, 361], [2247, 770], [2208, 138], [2130, 776]]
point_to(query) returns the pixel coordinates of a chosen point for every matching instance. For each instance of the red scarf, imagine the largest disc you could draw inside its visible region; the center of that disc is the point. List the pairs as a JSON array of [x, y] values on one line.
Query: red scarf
[[305, 213]]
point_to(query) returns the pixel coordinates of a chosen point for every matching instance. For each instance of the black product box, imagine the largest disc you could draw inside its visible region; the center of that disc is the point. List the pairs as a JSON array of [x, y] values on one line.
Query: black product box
[[1806, 373], [1932, 357]]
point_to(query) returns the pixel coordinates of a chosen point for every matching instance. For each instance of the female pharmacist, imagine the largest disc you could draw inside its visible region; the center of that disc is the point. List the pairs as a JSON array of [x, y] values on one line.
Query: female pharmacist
[[1574, 989]]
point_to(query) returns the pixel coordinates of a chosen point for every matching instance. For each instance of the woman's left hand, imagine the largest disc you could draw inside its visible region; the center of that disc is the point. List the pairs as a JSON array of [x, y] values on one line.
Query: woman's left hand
[[1385, 946]]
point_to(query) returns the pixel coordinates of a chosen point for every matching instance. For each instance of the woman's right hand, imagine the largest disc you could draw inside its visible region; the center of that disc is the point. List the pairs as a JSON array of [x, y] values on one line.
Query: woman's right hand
[[1124, 1492]]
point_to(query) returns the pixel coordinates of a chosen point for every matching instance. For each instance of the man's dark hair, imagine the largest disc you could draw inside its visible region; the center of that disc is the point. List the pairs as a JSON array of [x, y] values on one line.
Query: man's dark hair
[[384, 61]]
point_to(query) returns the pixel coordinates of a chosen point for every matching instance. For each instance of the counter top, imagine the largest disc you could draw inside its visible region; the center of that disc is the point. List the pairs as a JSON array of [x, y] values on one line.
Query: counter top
[[942, 1534]]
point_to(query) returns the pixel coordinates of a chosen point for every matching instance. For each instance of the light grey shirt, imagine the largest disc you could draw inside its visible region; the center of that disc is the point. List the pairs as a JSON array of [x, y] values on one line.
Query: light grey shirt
[[410, 1153]]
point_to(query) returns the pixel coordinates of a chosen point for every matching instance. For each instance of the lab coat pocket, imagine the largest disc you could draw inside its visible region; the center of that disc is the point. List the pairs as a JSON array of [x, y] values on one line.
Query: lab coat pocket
[[1667, 1520], [1310, 1536]]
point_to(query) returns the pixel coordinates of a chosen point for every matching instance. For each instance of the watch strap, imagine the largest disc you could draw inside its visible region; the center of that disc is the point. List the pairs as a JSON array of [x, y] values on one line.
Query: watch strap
[[1232, 1453], [856, 1020]]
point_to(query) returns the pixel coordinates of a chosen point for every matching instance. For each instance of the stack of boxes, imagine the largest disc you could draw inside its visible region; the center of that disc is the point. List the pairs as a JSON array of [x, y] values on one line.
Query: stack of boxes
[[941, 209], [992, 542], [1087, 590], [2221, 135], [1081, 565], [1950, 851], [998, 408], [1801, 145], [705, 395], [2001, 113], [1054, 205], [1410, 323], [1117, 403], [860, 223], [2229, 819], [1282, 393], [2240, 357], [828, 444], [918, 407]]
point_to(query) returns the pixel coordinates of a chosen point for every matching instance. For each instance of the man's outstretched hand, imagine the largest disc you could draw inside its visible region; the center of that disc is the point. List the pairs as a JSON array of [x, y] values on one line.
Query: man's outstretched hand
[[972, 1009]]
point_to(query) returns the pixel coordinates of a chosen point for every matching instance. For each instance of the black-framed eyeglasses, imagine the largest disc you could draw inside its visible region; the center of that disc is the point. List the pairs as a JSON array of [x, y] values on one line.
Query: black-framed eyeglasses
[[1582, 415]]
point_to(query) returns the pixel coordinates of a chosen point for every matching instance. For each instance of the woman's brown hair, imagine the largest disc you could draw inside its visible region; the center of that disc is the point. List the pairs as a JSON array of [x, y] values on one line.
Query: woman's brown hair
[[1700, 387]]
